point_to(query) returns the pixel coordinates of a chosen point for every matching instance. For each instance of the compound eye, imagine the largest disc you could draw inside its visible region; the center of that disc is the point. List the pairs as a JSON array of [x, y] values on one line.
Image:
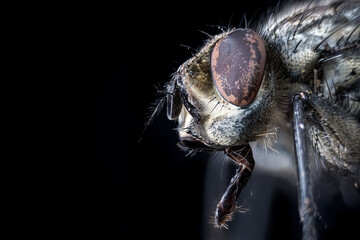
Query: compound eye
[[237, 66]]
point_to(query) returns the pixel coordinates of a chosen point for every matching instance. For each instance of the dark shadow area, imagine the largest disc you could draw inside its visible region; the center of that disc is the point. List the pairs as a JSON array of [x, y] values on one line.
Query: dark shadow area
[[284, 218]]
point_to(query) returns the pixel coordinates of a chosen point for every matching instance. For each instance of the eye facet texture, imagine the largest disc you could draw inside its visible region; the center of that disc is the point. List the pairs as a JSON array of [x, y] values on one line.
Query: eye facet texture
[[237, 66]]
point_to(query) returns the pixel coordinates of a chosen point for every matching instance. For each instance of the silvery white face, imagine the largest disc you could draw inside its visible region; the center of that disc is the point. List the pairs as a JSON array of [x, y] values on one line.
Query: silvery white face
[[225, 94]]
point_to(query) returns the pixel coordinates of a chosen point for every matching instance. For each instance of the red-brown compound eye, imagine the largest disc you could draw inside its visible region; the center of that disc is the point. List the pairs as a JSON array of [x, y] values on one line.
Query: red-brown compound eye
[[237, 66]]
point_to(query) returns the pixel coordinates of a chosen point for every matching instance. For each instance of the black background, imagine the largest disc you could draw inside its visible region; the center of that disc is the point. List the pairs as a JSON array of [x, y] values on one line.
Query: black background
[[147, 188]]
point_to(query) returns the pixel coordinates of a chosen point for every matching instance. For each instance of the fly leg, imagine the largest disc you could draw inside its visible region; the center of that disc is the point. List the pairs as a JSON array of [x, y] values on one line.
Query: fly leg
[[239, 158], [227, 205], [306, 201]]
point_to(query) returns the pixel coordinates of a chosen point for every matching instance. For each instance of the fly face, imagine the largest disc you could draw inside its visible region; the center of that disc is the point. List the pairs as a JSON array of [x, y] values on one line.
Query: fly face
[[224, 96]]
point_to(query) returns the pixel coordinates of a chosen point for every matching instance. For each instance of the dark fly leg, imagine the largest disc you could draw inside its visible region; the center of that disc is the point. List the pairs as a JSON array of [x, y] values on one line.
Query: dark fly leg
[[306, 203], [227, 206]]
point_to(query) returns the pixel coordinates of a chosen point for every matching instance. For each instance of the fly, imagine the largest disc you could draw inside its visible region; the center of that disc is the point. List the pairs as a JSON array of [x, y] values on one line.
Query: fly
[[299, 66]]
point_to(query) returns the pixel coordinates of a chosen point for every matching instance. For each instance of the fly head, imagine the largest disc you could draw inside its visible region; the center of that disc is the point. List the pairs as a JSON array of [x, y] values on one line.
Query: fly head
[[224, 95]]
